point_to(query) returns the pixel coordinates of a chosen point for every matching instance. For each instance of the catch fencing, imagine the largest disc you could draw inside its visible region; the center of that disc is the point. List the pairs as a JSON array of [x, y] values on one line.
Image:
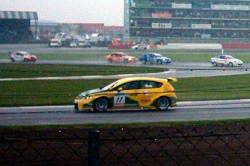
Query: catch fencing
[[214, 144]]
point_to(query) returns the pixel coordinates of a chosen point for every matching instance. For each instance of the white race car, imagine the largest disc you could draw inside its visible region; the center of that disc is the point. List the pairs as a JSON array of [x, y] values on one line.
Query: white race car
[[226, 60], [22, 56], [140, 46]]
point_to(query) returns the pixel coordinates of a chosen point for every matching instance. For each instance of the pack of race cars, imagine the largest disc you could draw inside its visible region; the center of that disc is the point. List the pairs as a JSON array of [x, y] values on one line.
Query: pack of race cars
[[147, 58], [156, 58]]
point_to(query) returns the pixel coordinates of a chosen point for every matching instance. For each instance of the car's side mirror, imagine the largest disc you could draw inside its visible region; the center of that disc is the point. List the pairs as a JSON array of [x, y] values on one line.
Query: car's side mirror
[[119, 89]]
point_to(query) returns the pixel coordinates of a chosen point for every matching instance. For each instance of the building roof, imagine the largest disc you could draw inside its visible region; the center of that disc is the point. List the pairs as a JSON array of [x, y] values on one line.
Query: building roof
[[18, 15]]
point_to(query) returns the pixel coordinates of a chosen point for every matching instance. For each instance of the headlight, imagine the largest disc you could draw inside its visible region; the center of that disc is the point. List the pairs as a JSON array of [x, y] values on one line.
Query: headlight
[[83, 97]]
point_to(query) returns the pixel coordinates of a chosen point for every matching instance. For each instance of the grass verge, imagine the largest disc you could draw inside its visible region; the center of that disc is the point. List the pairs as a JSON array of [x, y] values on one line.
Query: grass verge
[[63, 92], [123, 125], [31, 70]]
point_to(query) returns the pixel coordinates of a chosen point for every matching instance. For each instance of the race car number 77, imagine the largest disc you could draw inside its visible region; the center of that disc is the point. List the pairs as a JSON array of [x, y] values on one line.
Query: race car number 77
[[119, 100]]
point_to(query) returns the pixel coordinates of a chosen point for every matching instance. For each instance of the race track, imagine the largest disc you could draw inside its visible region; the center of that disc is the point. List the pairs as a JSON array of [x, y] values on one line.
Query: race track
[[185, 111], [175, 69]]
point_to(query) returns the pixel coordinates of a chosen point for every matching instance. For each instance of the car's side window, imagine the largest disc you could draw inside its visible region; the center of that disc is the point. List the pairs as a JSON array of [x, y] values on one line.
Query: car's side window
[[129, 85], [150, 84]]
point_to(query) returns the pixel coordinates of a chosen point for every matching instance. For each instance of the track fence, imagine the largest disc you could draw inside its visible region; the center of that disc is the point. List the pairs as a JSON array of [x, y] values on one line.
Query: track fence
[[221, 144]]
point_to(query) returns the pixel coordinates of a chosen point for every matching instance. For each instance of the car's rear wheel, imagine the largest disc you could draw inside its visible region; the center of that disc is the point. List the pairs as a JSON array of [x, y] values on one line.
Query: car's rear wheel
[[162, 103], [25, 60], [110, 60], [12, 59], [144, 61], [214, 64], [101, 105], [230, 64]]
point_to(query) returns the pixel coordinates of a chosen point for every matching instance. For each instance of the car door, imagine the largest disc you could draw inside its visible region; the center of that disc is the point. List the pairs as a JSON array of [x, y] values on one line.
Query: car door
[[223, 60], [148, 92], [117, 58], [126, 95], [18, 56]]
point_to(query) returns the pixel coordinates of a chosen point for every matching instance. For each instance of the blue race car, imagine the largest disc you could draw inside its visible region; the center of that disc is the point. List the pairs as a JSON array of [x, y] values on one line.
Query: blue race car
[[154, 58]]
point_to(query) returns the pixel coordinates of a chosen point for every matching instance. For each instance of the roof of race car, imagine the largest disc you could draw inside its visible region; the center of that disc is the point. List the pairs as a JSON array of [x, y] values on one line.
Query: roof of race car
[[128, 79]]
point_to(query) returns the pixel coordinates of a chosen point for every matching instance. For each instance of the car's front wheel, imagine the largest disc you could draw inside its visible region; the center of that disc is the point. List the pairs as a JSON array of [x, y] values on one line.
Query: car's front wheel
[[230, 64], [101, 105], [12, 59], [110, 60], [159, 62], [144, 61], [162, 103]]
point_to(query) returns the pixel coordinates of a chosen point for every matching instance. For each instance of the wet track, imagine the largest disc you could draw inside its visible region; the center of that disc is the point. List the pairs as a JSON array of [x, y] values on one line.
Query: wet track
[[185, 111], [175, 69]]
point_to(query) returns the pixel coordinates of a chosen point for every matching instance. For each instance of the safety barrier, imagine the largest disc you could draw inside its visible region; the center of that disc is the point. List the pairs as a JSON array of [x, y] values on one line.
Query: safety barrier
[[214, 144]]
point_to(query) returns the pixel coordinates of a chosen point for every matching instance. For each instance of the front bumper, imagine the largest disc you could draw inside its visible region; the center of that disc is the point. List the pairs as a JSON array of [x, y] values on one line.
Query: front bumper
[[76, 106]]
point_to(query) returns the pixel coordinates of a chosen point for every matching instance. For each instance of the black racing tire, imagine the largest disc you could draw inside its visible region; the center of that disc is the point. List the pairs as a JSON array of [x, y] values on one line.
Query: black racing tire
[[162, 103], [136, 48], [101, 105], [12, 59], [159, 62], [25, 60], [110, 61], [144, 61], [231, 64]]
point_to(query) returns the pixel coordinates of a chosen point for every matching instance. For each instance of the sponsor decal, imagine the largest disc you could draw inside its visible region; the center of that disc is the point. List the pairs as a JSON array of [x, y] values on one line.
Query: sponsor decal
[[145, 99]]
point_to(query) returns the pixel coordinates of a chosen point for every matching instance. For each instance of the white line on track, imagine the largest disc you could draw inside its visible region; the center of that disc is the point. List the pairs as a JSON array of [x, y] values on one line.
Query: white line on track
[[85, 77]]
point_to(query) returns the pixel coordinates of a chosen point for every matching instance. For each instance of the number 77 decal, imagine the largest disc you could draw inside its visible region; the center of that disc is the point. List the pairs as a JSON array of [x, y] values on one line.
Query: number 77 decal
[[119, 100]]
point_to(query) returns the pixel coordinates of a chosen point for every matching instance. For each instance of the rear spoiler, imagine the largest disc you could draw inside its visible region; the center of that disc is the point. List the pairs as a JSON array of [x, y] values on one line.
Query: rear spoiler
[[171, 79]]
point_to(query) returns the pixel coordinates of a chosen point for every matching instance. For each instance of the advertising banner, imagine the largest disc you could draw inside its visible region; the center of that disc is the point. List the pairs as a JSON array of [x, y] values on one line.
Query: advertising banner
[[162, 25], [161, 15], [201, 26], [181, 5], [229, 7]]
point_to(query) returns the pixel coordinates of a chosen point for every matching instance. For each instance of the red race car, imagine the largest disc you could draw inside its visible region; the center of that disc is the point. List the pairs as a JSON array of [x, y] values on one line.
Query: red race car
[[120, 57]]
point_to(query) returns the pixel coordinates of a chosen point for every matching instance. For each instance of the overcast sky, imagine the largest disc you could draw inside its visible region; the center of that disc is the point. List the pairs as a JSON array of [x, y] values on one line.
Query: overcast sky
[[109, 12]]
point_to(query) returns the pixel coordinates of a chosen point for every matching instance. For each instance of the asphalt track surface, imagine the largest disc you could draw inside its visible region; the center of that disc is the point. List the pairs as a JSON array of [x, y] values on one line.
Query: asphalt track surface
[[185, 111], [175, 69]]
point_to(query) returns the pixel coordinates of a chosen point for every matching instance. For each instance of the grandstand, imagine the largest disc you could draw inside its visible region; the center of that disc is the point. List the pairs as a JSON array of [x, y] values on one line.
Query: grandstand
[[187, 20], [15, 26]]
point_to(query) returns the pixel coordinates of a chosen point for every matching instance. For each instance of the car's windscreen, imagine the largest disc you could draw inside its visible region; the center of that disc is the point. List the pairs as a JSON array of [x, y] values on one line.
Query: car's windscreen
[[107, 87]]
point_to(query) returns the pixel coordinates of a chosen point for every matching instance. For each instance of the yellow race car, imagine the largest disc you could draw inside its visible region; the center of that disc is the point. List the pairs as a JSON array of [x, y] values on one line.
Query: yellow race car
[[132, 92]]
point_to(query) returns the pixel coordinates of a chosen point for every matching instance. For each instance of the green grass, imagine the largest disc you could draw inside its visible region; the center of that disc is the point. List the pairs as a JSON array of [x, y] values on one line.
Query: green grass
[[31, 70], [60, 92], [175, 55], [124, 125]]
